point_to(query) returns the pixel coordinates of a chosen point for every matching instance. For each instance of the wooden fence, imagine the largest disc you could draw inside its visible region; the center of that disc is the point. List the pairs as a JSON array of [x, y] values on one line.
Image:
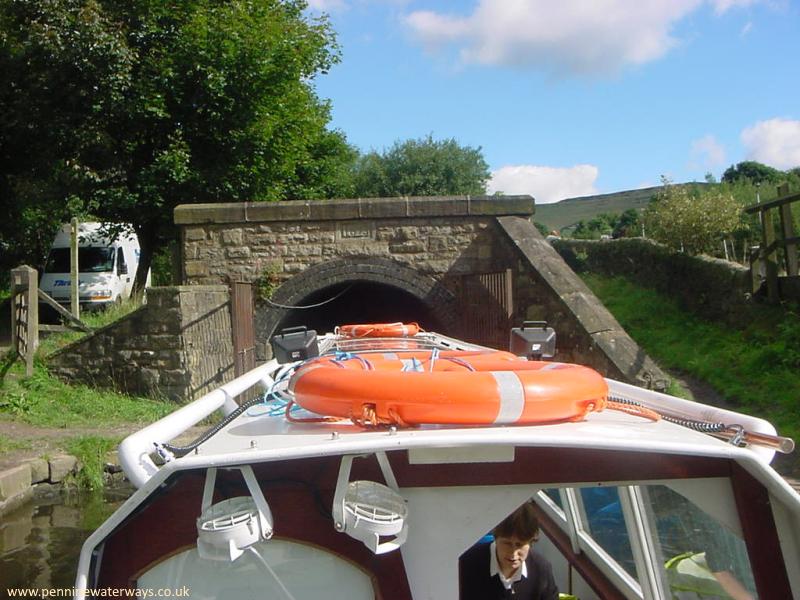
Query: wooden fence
[[775, 249], [25, 326]]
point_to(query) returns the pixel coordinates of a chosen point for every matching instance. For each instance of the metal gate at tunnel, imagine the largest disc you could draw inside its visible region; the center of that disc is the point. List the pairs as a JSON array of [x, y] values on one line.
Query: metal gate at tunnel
[[243, 327], [488, 308]]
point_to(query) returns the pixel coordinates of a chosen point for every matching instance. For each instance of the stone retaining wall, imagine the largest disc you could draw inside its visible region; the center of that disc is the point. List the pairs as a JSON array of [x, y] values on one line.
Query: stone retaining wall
[[587, 332], [177, 346], [713, 288]]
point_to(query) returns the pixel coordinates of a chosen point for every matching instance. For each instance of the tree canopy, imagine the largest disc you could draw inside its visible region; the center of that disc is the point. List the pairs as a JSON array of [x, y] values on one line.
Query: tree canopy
[[122, 110], [751, 171], [422, 167], [692, 220]]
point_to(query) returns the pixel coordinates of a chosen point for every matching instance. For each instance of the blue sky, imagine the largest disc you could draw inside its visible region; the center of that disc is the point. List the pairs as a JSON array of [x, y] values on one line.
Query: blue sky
[[573, 97]]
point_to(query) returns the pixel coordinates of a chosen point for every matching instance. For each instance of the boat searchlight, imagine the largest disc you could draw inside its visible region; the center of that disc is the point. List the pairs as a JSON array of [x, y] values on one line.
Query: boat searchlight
[[368, 511], [226, 529]]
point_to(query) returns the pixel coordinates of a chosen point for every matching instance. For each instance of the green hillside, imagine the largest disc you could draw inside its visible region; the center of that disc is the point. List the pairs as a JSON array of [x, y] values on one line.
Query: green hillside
[[567, 213]]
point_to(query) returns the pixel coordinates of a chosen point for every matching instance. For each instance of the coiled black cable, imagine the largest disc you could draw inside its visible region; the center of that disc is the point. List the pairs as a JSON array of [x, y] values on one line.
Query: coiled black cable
[[180, 451], [701, 426]]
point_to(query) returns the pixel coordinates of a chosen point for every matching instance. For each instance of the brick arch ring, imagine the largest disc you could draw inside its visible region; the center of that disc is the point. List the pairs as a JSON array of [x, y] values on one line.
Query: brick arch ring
[[439, 300]]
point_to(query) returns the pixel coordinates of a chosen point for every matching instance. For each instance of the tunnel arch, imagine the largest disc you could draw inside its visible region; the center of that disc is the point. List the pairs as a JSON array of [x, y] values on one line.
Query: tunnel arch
[[364, 289]]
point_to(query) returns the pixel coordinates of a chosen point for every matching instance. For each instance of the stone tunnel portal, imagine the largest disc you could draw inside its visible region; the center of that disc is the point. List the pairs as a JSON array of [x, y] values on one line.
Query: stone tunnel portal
[[358, 302]]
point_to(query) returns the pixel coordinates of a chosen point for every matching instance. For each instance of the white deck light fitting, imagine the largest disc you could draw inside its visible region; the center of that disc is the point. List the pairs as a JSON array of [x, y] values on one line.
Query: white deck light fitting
[[368, 511], [226, 529]]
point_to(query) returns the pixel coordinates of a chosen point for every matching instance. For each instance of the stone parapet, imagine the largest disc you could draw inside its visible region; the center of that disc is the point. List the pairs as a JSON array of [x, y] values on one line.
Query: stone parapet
[[177, 346], [353, 208]]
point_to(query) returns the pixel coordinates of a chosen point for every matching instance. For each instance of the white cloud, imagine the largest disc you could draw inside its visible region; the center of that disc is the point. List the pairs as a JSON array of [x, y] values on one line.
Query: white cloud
[[722, 6], [546, 184], [566, 37], [775, 142], [706, 153], [326, 5]]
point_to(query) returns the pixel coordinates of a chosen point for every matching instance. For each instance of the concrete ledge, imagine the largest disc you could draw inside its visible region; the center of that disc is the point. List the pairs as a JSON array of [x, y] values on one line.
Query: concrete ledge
[[353, 208], [14, 481], [17, 483]]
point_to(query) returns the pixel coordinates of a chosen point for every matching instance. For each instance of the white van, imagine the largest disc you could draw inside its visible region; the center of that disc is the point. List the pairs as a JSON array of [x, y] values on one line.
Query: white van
[[106, 267]]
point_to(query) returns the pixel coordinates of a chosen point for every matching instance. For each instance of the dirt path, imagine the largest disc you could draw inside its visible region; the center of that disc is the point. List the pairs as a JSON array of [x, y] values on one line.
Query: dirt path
[[42, 441]]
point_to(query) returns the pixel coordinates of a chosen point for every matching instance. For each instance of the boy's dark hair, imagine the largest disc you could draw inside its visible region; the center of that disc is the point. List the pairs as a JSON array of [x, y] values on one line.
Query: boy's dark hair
[[521, 524]]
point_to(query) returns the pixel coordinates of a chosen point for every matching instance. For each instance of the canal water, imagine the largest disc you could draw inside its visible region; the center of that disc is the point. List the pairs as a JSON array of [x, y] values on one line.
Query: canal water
[[40, 542]]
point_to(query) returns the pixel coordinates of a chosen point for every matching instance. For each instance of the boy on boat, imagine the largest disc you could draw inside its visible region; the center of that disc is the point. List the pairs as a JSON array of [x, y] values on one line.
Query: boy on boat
[[508, 567]]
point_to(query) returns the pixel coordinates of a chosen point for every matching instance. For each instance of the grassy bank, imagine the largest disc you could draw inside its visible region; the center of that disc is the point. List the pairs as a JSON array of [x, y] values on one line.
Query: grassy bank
[[93, 420], [756, 367], [44, 401]]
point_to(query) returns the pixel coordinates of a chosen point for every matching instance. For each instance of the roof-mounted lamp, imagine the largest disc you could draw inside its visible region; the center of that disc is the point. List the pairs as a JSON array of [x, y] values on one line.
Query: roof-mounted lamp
[[226, 529], [369, 511]]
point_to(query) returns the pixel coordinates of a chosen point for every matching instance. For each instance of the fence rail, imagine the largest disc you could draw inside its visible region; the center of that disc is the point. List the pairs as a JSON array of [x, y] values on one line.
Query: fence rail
[[772, 248], [25, 326]]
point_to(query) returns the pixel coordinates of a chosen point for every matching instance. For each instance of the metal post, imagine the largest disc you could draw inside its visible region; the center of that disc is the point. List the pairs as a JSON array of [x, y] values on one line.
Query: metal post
[[75, 306]]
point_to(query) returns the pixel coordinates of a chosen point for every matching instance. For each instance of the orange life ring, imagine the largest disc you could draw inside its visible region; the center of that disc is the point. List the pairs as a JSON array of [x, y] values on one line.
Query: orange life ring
[[379, 330], [460, 388]]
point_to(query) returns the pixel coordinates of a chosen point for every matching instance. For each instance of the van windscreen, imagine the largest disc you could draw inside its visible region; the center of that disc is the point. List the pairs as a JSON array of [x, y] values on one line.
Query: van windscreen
[[91, 259]]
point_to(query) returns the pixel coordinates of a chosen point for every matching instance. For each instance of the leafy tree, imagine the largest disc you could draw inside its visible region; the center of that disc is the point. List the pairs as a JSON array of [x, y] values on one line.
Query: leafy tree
[[627, 224], [692, 220], [123, 110], [752, 171], [422, 167]]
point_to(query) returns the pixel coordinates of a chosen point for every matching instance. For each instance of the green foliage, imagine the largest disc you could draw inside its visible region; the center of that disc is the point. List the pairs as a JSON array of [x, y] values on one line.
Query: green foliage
[[692, 220], [422, 167], [8, 444], [125, 109], [91, 452], [751, 171], [754, 367], [44, 401], [541, 228], [608, 224], [163, 266], [268, 282]]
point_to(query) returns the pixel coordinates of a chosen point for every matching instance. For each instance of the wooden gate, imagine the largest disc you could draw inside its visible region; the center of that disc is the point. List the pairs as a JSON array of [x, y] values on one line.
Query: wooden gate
[[243, 327], [487, 301]]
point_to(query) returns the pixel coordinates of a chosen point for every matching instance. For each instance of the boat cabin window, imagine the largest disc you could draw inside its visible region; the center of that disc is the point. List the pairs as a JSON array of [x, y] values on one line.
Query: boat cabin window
[[678, 540], [602, 520], [696, 550], [555, 497], [269, 569]]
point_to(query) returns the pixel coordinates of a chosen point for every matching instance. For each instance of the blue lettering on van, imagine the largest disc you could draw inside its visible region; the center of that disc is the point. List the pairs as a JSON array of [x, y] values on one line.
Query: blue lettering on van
[[61, 282]]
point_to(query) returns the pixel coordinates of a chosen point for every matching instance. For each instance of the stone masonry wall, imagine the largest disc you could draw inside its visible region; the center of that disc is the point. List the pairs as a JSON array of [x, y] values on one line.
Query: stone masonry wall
[[711, 287], [587, 333], [178, 346], [279, 240], [295, 248]]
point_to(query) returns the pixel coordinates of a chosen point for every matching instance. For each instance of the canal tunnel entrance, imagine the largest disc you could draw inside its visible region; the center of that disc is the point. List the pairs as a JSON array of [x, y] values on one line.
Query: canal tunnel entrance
[[358, 302]]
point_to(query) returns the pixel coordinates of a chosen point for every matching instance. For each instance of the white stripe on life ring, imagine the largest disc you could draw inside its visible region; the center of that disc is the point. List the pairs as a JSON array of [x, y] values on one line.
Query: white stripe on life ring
[[511, 396]]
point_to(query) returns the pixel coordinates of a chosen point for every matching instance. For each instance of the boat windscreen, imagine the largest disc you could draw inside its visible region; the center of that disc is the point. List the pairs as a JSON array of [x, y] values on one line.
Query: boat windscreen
[[699, 553]]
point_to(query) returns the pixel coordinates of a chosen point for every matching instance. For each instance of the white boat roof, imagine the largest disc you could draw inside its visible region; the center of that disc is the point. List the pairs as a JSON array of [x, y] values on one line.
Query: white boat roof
[[260, 437]]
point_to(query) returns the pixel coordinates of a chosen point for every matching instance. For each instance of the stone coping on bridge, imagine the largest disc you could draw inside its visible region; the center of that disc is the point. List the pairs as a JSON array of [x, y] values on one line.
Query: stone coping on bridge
[[354, 208]]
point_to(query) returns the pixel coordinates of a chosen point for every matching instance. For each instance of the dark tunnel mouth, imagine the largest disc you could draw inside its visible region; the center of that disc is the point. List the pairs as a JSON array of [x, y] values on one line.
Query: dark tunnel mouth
[[358, 301]]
